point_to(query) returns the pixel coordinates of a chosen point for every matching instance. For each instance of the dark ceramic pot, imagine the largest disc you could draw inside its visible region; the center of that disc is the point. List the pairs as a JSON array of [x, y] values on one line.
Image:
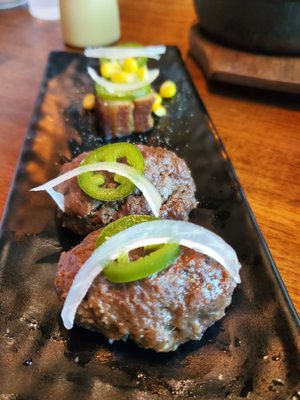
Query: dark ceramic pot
[[268, 26]]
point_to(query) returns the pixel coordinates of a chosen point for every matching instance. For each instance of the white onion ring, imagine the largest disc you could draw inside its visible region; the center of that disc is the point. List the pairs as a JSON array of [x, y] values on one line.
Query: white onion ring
[[112, 87], [120, 53], [146, 187], [147, 233]]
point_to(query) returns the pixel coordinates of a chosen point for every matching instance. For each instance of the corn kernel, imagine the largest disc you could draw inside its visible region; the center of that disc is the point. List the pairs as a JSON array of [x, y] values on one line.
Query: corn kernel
[[142, 73], [157, 99], [130, 65], [121, 77], [109, 68], [159, 110], [167, 89], [89, 101]]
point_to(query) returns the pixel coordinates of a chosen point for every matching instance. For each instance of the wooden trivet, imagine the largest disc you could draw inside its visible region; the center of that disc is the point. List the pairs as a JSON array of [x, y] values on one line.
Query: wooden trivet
[[225, 64]]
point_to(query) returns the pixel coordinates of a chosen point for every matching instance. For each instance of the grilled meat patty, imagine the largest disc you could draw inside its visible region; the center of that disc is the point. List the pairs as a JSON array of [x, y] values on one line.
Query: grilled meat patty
[[159, 312], [169, 174]]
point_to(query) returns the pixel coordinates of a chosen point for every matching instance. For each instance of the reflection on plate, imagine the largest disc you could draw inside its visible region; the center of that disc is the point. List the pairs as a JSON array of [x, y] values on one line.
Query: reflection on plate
[[252, 352]]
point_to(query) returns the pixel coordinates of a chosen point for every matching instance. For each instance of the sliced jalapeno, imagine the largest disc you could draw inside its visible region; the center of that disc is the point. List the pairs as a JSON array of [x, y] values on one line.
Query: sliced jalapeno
[[119, 225], [92, 183], [124, 96], [122, 272]]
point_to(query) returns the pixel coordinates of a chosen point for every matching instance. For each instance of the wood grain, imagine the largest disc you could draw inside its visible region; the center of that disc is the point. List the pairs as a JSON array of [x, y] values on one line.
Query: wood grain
[[281, 73], [259, 129]]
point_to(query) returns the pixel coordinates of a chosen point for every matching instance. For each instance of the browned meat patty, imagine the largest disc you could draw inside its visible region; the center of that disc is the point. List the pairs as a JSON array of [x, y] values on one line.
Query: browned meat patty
[[169, 174], [119, 118], [159, 312]]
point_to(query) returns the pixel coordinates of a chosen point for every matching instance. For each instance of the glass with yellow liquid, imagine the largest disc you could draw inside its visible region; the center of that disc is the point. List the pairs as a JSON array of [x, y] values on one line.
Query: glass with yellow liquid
[[90, 23]]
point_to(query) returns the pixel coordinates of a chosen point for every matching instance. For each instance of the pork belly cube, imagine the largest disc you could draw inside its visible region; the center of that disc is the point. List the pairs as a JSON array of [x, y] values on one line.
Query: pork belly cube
[[119, 117]]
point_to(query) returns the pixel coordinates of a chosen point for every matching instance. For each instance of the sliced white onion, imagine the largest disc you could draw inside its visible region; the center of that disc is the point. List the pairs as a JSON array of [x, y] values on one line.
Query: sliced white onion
[[146, 187], [119, 53], [144, 234], [112, 87], [57, 197]]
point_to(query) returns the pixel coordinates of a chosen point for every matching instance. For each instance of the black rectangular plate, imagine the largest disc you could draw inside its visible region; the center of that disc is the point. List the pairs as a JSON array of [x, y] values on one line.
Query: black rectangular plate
[[251, 353]]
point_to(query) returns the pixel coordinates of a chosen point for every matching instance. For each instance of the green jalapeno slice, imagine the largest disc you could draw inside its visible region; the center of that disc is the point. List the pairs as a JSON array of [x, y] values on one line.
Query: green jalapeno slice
[[123, 270], [119, 225], [92, 183], [123, 96]]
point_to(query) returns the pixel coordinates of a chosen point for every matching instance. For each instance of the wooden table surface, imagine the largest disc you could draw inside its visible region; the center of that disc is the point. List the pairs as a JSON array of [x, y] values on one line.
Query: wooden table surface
[[260, 130]]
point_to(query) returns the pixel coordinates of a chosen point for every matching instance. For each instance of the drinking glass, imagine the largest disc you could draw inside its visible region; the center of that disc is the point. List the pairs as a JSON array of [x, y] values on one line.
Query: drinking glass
[[44, 9], [90, 23], [6, 4]]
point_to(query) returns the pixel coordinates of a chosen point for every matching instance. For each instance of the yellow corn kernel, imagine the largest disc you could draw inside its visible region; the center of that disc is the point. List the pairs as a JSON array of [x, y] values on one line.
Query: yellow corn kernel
[[157, 99], [130, 65], [159, 110], [89, 101], [121, 77], [168, 89], [142, 73], [107, 69]]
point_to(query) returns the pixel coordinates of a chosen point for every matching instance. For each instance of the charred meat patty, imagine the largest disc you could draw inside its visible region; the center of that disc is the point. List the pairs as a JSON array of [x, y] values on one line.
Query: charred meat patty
[[159, 312], [168, 173]]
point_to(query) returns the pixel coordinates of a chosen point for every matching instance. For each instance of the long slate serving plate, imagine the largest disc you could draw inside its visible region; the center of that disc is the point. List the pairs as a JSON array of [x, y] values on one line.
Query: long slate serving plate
[[251, 353]]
